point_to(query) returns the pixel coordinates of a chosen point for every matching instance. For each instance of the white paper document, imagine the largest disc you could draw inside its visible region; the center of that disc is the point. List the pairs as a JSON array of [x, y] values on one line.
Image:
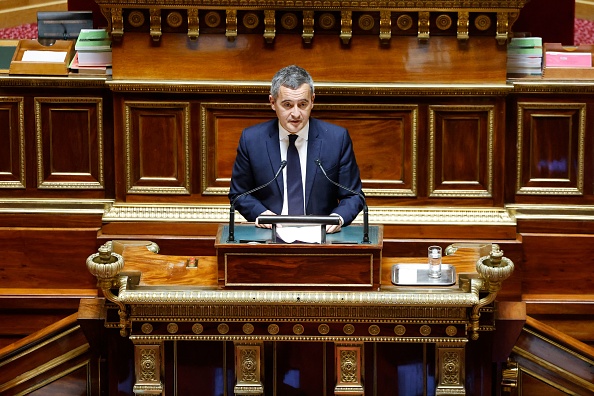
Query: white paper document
[[44, 56], [305, 234]]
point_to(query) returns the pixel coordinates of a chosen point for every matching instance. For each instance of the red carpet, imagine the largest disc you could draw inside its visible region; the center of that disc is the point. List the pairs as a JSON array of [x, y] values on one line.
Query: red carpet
[[583, 32]]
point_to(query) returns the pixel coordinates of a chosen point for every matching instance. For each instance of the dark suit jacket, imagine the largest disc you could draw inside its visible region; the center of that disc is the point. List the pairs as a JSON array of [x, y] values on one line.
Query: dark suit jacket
[[258, 159]]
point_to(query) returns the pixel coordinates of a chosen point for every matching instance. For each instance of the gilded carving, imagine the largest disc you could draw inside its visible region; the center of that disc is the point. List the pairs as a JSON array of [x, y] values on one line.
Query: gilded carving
[[399, 330], [482, 22], [248, 361], [423, 29], [193, 23], [443, 22], [348, 329], [404, 22], [323, 329], [250, 20], [450, 369], [327, 21], [223, 328], [172, 328], [146, 328], [385, 26], [269, 25], [231, 22], [374, 330], [463, 24], [273, 329], [308, 26], [425, 330], [155, 24], [502, 27], [289, 21], [174, 19], [366, 22], [212, 19], [117, 23], [197, 328], [349, 369], [148, 358], [346, 26], [298, 329], [451, 331], [248, 328], [136, 18], [348, 366]]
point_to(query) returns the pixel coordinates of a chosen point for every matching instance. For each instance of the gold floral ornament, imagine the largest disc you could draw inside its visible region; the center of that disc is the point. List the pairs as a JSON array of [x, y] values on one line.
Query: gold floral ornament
[[482, 22], [366, 22], [136, 18], [212, 19], [174, 19], [404, 22], [443, 22], [289, 21], [251, 20], [327, 21]]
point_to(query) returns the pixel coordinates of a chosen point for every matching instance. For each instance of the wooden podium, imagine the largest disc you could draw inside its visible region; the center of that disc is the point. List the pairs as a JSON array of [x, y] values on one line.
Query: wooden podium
[[343, 262]]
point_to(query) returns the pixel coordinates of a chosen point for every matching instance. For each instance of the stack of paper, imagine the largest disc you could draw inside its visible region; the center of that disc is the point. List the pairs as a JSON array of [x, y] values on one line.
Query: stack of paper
[[93, 51], [524, 56]]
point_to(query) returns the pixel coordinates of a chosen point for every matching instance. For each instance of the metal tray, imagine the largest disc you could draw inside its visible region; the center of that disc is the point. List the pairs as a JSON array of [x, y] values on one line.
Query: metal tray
[[418, 275]]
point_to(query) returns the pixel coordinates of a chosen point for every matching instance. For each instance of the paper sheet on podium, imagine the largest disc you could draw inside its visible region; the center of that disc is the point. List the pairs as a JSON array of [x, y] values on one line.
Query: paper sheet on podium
[[305, 234]]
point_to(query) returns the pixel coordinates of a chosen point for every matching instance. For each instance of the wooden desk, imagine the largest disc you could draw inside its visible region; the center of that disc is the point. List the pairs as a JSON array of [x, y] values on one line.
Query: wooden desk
[[163, 299]]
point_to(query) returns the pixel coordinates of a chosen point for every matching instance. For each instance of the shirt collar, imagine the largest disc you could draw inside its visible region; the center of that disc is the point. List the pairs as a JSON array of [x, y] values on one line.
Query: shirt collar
[[283, 134]]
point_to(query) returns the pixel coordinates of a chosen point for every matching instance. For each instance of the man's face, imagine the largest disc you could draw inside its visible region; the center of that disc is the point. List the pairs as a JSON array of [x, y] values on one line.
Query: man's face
[[293, 107]]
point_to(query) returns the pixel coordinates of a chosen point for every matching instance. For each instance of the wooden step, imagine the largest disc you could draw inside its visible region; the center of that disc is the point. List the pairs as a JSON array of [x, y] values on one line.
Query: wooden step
[[18, 12]]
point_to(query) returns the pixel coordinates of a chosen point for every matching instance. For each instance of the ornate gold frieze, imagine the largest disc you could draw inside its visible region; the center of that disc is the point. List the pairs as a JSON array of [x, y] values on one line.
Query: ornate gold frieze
[[380, 215], [450, 369], [296, 303]]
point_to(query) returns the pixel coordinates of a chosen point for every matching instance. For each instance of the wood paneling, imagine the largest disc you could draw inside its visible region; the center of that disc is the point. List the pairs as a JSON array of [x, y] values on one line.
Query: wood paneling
[[250, 58], [69, 142], [551, 147], [461, 151], [157, 139], [12, 151]]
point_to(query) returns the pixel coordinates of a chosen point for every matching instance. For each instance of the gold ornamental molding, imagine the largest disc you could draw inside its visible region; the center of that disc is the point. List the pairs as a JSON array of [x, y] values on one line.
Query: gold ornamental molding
[[241, 87], [377, 215], [551, 212]]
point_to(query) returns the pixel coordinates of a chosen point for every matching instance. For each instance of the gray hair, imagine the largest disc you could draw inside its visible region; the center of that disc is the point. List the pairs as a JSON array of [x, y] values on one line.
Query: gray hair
[[291, 77]]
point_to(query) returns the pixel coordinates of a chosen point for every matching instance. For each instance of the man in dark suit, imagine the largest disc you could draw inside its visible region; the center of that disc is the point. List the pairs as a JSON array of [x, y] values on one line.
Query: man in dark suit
[[263, 147]]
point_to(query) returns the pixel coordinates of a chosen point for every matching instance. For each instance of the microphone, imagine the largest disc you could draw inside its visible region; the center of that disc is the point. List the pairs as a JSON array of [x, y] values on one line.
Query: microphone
[[231, 237], [365, 209]]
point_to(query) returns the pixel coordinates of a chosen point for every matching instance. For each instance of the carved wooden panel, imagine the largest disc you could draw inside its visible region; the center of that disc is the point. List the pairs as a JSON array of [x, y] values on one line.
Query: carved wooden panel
[[12, 150], [69, 139], [461, 151], [550, 149], [157, 147], [384, 139]]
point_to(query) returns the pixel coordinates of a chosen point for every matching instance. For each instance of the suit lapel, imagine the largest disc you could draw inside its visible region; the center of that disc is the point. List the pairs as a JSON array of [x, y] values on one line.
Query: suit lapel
[[273, 148], [314, 147]]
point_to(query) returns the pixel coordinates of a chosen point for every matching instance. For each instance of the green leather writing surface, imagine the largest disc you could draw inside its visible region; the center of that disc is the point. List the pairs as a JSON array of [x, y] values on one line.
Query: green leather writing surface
[[6, 53]]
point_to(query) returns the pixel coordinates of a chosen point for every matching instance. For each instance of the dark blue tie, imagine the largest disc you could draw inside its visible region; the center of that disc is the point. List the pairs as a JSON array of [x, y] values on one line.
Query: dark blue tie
[[294, 183]]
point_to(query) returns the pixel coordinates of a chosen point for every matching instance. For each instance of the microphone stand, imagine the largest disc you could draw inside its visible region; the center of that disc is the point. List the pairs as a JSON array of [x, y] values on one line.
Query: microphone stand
[[365, 208], [231, 237]]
